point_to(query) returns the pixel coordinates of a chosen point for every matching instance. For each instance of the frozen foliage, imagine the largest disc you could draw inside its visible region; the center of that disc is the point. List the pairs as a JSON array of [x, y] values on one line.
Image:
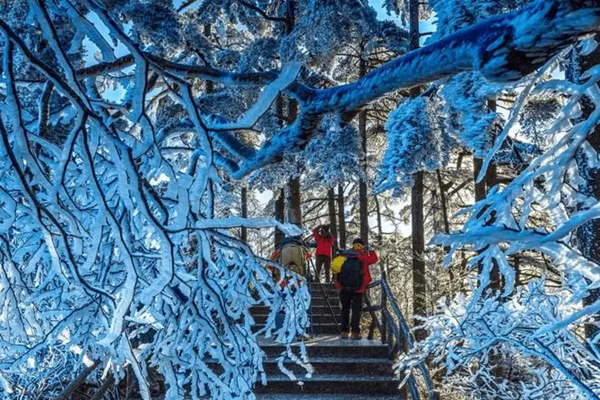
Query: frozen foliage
[[536, 33], [112, 252], [505, 341], [452, 15], [333, 157], [470, 118], [324, 27], [417, 141], [537, 117], [528, 336], [496, 348], [118, 123]]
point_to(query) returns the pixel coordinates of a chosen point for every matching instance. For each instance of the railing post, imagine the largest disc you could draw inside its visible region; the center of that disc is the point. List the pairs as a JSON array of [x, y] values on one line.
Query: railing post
[[373, 315], [400, 332], [372, 310]]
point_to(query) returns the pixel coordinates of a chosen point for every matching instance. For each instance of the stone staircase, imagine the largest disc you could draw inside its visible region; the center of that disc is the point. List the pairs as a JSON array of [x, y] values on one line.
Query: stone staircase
[[343, 369]]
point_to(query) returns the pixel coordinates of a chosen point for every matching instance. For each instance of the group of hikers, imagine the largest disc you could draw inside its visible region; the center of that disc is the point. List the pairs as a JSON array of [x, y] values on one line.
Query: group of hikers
[[348, 270]]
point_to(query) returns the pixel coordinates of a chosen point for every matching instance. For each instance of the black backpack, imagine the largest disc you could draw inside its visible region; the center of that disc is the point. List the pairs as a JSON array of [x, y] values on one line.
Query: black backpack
[[351, 275]]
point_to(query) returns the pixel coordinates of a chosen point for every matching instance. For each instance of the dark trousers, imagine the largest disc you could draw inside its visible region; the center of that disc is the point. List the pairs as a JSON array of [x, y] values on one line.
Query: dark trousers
[[351, 301], [323, 261]]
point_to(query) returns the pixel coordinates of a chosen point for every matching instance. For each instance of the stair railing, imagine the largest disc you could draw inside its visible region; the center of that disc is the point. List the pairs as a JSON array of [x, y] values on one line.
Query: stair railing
[[311, 268], [394, 331]]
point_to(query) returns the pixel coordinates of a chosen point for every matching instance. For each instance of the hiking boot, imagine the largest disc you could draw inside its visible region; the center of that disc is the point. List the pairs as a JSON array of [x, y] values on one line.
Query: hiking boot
[[356, 336], [345, 335]]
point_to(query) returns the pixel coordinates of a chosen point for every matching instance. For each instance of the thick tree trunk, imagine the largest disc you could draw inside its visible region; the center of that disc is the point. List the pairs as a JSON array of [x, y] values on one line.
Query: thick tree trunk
[[364, 212], [341, 217], [491, 178], [417, 218], [379, 223], [244, 212], [279, 195], [418, 250], [279, 214], [290, 16], [294, 204], [501, 367], [479, 186], [446, 224], [443, 202], [293, 195], [363, 184], [332, 216], [491, 175]]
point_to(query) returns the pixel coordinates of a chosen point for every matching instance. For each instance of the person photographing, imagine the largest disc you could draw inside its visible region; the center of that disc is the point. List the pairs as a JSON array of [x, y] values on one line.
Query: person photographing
[[323, 253]]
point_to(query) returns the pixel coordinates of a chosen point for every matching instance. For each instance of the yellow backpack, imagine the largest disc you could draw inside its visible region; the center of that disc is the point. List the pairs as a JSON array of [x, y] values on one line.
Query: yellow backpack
[[336, 264]]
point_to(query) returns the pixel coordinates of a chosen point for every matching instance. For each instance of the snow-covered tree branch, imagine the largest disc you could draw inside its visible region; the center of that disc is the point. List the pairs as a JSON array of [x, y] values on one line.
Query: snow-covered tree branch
[[122, 124]]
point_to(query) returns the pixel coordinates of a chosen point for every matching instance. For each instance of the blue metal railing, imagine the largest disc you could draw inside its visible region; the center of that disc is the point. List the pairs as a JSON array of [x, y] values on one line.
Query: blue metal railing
[[395, 332]]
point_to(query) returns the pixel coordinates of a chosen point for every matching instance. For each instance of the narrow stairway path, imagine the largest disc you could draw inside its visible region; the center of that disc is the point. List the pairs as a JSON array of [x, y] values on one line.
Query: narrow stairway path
[[343, 369]]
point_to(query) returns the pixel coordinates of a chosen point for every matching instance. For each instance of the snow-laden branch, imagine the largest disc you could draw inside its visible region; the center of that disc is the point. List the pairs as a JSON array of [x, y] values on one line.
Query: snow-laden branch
[[253, 223], [288, 74], [115, 245], [478, 346], [532, 321], [115, 248], [504, 49]]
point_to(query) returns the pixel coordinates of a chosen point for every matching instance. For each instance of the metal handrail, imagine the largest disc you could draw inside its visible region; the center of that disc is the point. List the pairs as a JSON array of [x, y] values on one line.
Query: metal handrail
[[325, 296], [397, 335]]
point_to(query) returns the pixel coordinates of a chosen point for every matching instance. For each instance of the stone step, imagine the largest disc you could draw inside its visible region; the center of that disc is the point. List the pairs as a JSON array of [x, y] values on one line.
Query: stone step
[[330, 346], [316, 319], [316, 309], [327, 286], [324, 328], [321, 301], [315, 328], [325, 289], [331, 384], [330, 294], [328, 366], [349, 396], [324, 309], [336, 366], [333, 299]]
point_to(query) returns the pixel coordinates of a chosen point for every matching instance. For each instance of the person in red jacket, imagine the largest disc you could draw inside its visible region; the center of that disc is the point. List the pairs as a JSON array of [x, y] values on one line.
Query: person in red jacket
[[323, 254], [352, 299]]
